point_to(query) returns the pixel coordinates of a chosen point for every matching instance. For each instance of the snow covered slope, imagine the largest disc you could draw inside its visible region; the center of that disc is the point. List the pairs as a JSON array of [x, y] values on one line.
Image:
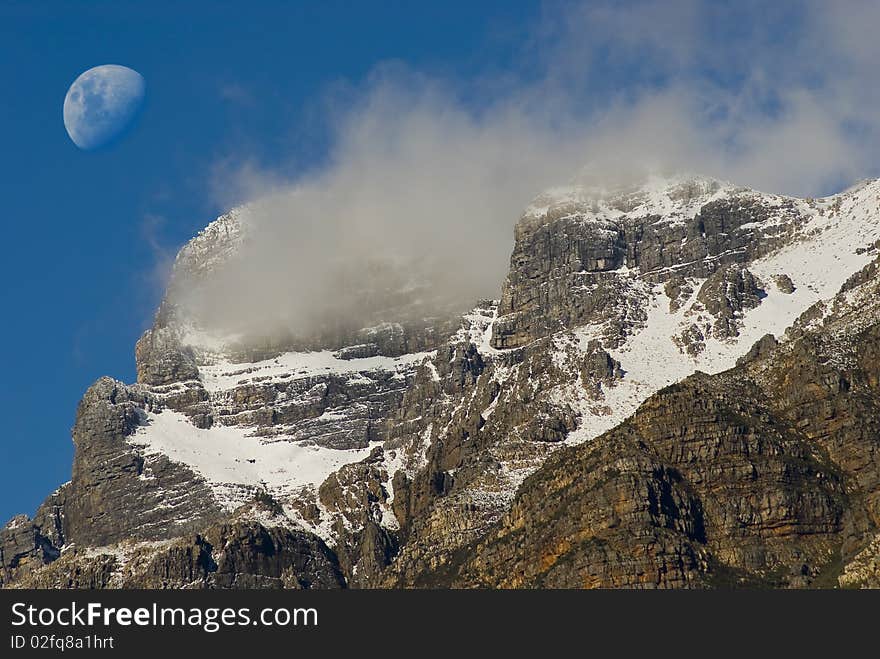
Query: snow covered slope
[[611, 296], [837, 237], [395, 445]]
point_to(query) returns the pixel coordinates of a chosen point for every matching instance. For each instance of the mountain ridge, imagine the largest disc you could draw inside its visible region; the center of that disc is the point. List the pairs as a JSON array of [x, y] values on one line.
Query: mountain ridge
[[430, 437]]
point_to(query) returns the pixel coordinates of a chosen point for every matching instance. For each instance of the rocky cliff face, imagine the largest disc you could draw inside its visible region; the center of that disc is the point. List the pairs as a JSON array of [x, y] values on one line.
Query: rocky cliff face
[[764, 475], [677, 388], [571, 246]]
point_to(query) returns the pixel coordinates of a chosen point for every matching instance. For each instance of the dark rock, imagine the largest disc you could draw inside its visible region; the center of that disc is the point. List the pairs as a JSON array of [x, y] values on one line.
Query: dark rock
[[162, 360], [784, 283], [762, 347], [726, 295]]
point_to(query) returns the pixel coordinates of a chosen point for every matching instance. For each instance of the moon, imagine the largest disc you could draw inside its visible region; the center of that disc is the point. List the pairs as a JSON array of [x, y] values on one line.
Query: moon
[[101, 103]]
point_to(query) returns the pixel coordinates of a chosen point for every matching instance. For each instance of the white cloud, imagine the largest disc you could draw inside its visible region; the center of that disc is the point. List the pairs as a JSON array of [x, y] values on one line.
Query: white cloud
[[422, 187]]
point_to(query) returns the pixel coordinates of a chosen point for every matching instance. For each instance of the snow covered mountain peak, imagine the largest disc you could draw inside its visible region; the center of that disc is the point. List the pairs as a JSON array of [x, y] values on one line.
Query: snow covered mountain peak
[[667, 196], [217, 242], [373, 439]]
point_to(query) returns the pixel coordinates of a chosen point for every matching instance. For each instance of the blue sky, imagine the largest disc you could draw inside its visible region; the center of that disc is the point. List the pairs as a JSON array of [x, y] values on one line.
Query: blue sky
[[82, 229], [240, 97]]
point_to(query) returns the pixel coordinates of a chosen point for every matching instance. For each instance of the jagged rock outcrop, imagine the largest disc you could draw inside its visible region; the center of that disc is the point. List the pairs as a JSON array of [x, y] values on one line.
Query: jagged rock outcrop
[[117, 493], [234, 554], [727, 294], [23, 548], [161, 360], [28, 544], [569, 251]]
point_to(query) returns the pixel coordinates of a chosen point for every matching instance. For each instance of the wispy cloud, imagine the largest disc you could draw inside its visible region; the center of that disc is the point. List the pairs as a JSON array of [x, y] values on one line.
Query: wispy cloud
[[162, 253], [425, 183], [237, 94]]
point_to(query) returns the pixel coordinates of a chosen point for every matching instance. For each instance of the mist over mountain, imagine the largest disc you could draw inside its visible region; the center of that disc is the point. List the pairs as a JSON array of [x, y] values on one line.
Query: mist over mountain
[[426, 175], [674, 386]]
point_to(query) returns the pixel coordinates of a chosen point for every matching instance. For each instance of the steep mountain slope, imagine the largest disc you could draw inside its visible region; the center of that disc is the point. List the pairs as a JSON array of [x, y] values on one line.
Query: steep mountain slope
[[583, 430], [763, 475]]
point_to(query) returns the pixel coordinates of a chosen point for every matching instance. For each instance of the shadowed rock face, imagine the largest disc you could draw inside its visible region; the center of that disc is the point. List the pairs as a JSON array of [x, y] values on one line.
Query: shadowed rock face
[[115, 494], [228, 555], [118, 494], [528, 446]]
